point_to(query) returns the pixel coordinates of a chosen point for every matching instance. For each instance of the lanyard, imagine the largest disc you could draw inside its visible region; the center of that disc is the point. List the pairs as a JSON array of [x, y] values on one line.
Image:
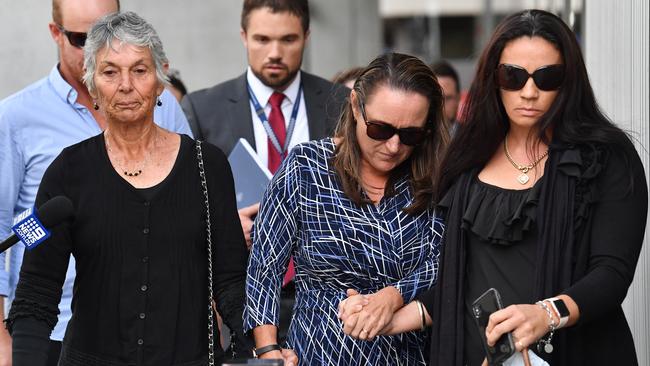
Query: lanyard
[[267, 126]]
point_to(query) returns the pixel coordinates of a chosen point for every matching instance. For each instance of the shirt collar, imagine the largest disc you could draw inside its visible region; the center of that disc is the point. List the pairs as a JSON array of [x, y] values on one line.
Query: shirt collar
[[263, 92], [62, 88]]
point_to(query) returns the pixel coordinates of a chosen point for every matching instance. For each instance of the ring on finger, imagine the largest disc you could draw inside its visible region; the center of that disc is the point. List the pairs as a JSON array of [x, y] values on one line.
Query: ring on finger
[[521, 345]]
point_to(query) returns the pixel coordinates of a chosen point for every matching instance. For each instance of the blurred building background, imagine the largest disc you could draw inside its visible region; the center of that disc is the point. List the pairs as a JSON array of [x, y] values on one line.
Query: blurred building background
[[202, 41]]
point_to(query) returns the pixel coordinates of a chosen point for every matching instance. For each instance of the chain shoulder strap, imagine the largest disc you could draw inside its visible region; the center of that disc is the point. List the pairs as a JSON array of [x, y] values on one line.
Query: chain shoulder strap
[[208, 229]]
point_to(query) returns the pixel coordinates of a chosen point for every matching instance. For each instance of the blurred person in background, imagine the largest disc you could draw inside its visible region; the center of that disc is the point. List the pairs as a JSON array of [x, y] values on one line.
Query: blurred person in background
[[450, 84], [347, 77], [176, 85]]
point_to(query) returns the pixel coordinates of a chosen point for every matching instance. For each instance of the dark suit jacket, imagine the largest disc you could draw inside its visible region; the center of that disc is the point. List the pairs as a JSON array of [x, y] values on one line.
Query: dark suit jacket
[[221, 115]]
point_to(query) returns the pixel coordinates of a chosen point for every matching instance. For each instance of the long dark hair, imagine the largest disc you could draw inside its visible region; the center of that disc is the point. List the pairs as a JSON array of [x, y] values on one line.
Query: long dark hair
[[574, 117], [406, 73]]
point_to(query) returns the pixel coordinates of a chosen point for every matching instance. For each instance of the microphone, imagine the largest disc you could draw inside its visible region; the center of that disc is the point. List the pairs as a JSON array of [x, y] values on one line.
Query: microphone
[[32, 227]]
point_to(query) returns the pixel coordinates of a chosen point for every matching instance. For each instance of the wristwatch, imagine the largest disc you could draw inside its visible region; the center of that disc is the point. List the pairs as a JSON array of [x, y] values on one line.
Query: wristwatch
[[257, 352], [560, 309]]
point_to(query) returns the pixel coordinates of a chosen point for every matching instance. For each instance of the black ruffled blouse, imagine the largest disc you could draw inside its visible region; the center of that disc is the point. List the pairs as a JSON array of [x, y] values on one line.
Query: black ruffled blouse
[[586, 227], [501, 246]]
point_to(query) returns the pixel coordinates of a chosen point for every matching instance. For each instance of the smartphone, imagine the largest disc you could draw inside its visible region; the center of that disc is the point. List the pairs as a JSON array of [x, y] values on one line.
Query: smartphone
[[482, 307]]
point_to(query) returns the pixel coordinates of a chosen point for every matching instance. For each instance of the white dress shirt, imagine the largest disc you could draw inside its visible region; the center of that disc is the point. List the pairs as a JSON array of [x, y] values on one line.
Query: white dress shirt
[[263, 94]]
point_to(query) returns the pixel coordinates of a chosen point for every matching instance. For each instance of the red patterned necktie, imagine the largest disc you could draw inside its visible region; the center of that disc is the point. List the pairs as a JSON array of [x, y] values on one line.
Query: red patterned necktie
[[276, 120]]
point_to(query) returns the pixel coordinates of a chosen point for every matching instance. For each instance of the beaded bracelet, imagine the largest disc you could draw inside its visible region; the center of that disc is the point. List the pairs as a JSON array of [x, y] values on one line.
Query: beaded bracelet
[[545, 344]]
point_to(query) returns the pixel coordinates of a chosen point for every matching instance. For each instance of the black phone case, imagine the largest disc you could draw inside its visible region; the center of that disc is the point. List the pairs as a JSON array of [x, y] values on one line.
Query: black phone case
[[482, 307]]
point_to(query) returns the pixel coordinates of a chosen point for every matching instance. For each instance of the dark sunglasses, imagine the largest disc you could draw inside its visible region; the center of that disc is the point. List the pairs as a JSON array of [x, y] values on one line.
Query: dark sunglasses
[[410, 136], [77, 39], [513, 77]]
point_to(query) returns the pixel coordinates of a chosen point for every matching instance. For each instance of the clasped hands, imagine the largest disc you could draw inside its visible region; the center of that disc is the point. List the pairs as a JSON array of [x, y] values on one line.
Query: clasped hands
[[366, 316]]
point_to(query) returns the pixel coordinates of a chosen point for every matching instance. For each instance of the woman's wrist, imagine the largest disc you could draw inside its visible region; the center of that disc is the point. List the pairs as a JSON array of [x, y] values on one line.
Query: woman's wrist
[[268, 350], [266, 339], [560, 311], [421, 313], [397, 301]]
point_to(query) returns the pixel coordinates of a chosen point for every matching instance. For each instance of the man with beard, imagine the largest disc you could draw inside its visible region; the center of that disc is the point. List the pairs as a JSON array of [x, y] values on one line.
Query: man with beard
[[274, 34], [271, 101], [39, 121]]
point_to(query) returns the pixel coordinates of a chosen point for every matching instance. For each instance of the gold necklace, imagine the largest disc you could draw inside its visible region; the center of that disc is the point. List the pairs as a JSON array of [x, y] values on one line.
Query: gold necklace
[[522, 178], [119, 162]]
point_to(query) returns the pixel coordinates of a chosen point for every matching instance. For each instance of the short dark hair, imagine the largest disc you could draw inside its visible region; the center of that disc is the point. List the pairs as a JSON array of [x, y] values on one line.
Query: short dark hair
[[444, 68], [57, 17], [299, 8], [175, 81]]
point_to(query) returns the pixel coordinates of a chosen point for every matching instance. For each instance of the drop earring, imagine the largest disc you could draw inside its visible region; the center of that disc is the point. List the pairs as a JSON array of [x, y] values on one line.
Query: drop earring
[[159, 102], [95, 106]]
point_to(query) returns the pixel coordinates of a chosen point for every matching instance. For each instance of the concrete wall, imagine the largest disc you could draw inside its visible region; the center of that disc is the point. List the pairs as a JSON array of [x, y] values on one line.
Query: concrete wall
[[201, 38], [616, 53], [27, 51]]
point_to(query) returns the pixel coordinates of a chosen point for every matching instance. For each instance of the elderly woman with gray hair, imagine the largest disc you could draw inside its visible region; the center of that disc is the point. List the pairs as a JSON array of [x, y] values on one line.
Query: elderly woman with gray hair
[[149, 265]]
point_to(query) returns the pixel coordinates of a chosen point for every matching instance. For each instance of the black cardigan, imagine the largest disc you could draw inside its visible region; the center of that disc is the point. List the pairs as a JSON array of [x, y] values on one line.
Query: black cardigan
[[140, 294], [591, 220]]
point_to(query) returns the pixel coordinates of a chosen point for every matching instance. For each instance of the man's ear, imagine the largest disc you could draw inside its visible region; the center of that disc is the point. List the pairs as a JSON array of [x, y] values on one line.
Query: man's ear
[[242, 34], [55, 32]]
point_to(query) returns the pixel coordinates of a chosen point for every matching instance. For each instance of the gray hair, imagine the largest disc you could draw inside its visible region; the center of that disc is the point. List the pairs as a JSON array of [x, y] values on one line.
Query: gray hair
[[129, 28]]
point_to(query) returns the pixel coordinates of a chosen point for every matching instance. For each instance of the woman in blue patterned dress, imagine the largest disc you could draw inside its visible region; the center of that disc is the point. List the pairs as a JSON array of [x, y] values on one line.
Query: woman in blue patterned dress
[[354, 212]]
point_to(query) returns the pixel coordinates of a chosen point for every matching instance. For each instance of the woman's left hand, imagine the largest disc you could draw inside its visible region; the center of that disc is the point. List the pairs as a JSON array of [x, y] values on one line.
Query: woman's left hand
[[527, 322], [375, 315], [352, 305]]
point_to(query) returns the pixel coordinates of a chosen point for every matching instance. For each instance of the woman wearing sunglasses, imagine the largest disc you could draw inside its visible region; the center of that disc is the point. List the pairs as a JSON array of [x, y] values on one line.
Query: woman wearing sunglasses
[[354, 212], [546, 201]]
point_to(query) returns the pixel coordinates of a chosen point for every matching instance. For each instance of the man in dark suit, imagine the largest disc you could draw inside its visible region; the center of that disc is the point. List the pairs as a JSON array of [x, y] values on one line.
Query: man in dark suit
[[221, 114], [273, 105], [274, 34]]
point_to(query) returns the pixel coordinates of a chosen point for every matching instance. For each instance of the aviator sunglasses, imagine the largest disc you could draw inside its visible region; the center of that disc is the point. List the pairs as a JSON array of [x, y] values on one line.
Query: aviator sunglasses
[[77, 39], [410, 136], [513, 77]]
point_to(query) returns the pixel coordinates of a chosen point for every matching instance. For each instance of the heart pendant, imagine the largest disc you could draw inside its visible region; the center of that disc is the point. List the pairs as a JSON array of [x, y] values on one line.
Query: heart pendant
[[523, 178]]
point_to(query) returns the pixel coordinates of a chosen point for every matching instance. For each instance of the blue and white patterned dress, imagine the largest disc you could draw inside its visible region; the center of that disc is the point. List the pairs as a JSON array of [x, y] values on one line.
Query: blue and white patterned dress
[[337, 245]]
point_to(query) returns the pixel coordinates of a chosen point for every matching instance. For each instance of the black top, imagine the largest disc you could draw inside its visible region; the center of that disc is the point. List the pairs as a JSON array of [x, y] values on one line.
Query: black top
[[590, 220], [149, 193], [140, 294], [500, 251]]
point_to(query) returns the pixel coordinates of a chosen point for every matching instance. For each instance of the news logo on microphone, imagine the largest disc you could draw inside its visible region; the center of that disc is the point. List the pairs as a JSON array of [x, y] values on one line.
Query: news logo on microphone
[[29, 229]]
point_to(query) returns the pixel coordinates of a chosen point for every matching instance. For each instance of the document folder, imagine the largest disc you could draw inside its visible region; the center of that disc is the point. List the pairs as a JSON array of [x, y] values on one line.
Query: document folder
[[251, 176]]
